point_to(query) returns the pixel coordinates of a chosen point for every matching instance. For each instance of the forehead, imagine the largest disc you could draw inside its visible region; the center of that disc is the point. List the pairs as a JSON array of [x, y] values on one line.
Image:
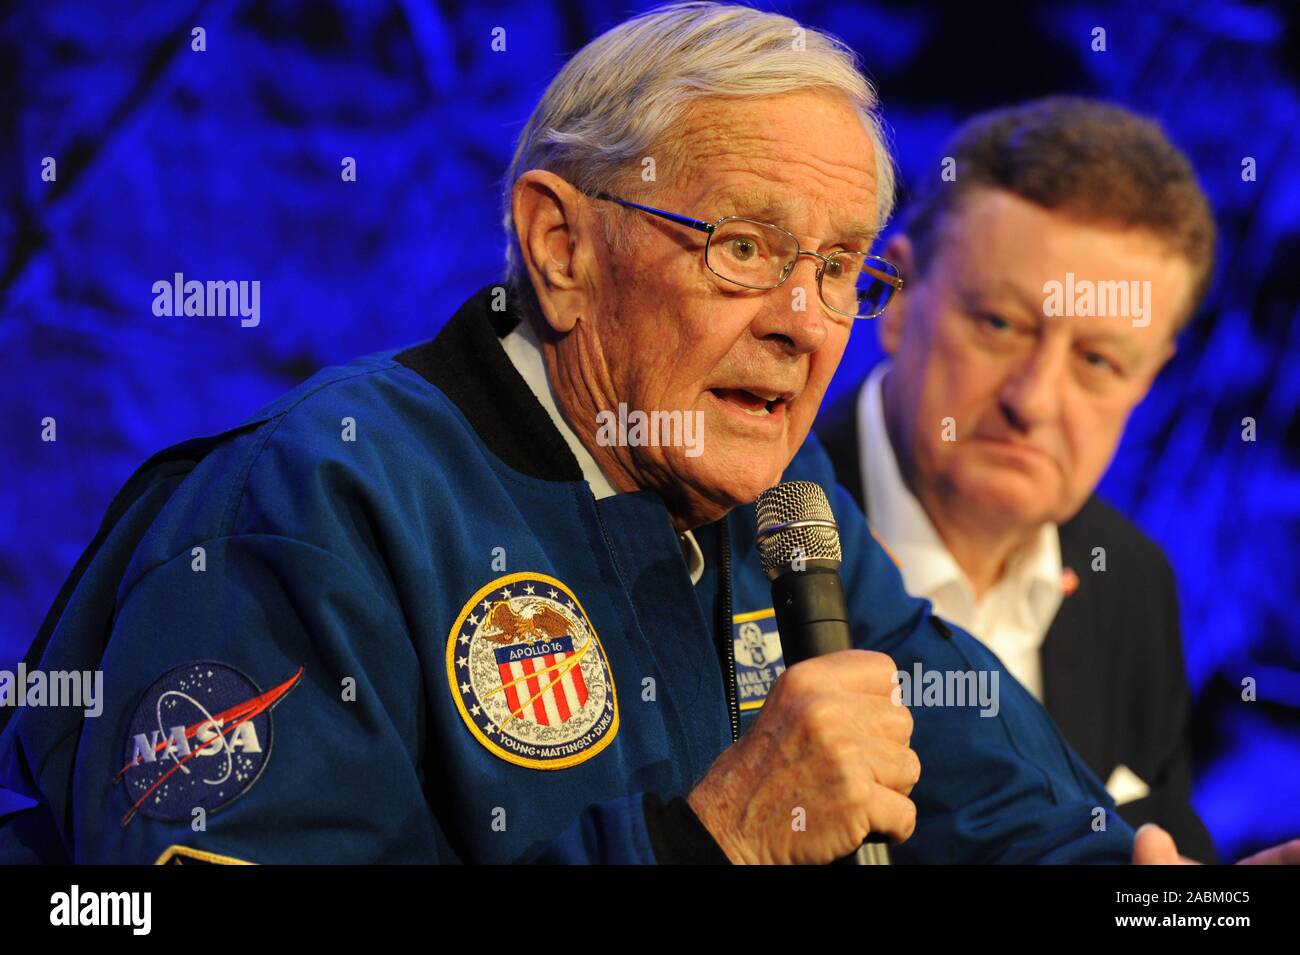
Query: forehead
[[801, 159], [997, 242], [1026, 240]]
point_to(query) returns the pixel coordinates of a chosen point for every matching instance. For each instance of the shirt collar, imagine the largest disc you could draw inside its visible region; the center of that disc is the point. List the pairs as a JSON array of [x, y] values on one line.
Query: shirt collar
[[1043, 573], [524, 350], [926, 564], [895, 513], [525, 353]]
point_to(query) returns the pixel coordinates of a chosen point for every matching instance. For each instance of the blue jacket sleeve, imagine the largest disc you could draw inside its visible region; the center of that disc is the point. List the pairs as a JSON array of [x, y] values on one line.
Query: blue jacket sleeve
[[343, 774], [654, 830], [998, 782]]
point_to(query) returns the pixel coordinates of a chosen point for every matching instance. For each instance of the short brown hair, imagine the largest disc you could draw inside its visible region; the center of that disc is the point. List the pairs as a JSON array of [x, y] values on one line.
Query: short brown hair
[[1092, 160]]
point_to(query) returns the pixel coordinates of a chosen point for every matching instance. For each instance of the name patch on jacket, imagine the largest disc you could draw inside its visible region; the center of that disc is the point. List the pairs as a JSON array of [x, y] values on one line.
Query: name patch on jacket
[[758, 657], [199, 739], [529, 675]]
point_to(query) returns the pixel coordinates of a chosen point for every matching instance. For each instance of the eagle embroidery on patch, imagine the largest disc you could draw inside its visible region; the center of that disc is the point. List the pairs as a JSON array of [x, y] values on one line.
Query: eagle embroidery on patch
[[529, 675]]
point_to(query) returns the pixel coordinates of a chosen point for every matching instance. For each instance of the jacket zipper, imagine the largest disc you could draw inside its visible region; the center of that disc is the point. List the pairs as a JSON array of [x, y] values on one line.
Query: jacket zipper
[[727, 645]]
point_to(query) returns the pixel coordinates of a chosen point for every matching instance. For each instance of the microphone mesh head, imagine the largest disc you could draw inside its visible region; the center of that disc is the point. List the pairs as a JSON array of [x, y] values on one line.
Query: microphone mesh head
[[785, 504]]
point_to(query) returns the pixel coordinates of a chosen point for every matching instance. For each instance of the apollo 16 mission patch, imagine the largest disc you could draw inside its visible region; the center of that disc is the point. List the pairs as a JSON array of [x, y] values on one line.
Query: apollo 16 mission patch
[[529, 675]]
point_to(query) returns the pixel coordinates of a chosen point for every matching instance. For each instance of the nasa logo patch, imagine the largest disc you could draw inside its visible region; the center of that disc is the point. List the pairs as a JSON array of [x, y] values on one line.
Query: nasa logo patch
[[529, 675], [199, 739], [759, 659]]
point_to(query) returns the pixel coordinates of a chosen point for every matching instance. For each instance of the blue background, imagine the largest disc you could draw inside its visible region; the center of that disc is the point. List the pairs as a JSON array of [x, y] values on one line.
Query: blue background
[[225, 164]]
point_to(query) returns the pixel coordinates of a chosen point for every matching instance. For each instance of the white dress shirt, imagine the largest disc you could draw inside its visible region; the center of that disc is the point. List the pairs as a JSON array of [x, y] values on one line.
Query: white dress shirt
[[1013, 616], [525, 353]]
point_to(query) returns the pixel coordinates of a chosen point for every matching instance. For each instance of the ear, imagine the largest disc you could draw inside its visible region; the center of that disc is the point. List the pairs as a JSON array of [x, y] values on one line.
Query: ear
[[554, 244], [889, 326]]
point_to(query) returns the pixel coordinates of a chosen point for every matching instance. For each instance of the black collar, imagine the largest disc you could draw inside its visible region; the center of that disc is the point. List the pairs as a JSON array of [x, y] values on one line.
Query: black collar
[[467, 363]]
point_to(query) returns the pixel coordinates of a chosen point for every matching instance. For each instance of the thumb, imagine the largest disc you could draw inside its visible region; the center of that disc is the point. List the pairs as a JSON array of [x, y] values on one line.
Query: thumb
[[1154, 846]]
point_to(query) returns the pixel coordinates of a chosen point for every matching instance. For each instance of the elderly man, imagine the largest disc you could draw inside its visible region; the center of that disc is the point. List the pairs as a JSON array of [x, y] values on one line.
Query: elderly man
[[480, 624], [975, 450]]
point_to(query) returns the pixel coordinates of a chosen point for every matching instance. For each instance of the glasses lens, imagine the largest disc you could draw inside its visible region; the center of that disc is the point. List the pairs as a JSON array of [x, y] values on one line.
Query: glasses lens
[[751, 253], [858, 284]]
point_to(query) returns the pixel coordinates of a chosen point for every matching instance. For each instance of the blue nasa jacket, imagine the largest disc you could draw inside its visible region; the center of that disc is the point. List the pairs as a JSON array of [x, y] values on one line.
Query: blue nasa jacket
[[386, 620]]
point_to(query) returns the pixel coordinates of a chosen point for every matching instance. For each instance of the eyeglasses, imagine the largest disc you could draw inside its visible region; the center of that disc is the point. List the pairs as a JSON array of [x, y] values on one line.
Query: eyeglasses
[[759, 255]]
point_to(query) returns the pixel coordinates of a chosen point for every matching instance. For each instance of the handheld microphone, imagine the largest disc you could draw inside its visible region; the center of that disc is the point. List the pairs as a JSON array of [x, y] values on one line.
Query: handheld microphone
[[799, 546]]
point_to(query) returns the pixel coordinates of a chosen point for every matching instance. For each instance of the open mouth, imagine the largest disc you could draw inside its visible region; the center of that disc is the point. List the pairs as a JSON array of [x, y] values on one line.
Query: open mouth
[[754, 403]]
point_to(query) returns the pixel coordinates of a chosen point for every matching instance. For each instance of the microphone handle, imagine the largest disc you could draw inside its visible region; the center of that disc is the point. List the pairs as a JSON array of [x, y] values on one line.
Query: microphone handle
[[812, 618]]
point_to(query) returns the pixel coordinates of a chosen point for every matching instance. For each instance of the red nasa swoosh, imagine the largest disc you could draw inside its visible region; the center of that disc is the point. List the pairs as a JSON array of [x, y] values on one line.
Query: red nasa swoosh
[[240, 713]]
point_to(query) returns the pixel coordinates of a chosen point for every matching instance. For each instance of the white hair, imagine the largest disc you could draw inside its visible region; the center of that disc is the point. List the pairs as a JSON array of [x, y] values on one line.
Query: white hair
[[617, 100]]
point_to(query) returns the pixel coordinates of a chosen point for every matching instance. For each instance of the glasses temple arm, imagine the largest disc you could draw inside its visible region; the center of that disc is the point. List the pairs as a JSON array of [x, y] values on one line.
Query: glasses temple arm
[[894, 280], [687, 221]]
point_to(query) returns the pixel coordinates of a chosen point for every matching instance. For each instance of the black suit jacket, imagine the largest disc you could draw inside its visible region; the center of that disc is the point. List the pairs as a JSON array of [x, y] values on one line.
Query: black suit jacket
[[1112, 660]]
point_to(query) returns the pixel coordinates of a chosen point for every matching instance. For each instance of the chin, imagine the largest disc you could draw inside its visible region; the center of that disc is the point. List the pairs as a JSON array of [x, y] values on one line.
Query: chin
[[733, 476], [1011, 497]]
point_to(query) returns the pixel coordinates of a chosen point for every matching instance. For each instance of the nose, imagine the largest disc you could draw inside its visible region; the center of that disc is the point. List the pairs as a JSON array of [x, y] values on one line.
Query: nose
[[1031, 393], [793, 313]]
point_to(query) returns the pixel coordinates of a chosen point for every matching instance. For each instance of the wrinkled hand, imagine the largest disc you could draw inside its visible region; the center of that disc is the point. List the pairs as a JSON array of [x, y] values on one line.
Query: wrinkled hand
[[826, 762]]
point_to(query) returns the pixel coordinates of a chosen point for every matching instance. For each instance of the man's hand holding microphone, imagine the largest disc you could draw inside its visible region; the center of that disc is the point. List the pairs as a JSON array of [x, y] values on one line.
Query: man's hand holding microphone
[[827, 763]]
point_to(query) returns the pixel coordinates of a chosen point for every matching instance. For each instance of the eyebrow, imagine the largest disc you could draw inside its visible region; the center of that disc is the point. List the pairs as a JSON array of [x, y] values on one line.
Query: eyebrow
[[1034, 306], [972, 295], [1102, 336], [760, 204]]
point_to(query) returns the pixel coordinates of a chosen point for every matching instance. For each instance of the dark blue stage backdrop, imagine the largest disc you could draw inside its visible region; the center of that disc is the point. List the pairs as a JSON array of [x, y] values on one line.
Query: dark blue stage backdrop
[[226, 164]]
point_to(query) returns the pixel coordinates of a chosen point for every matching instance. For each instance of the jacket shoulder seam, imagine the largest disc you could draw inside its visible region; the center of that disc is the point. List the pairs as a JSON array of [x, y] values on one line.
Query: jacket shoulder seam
[[226, 527], [216, 539]]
